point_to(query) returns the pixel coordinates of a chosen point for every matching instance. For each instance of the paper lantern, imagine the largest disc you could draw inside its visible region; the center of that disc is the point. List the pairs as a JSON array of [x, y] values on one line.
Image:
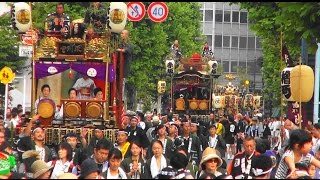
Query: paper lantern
[[218, 101], [118, 16], [22, 16], [248, 100], [257, 101], [307, 83], [285, 84]]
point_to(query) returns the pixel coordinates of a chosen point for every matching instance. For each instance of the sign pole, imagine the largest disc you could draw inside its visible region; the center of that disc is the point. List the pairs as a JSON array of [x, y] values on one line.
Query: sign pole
[[6, 102]]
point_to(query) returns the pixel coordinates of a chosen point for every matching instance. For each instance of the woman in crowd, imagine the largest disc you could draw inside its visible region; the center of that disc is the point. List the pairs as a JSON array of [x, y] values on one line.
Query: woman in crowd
[[64, 163], [157, 162], [133, 165], [114, 170], [209, 163]]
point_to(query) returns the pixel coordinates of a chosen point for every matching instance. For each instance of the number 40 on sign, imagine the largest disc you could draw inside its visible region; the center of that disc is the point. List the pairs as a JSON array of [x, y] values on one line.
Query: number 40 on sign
[[158, 11]]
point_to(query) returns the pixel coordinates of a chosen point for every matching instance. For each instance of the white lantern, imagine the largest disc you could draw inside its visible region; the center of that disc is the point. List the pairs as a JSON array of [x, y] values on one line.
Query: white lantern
[[118, 16], [218, 102], [21, 14], [257, 101]]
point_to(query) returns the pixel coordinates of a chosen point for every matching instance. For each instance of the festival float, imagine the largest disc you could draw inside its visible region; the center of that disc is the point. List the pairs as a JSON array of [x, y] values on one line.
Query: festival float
[[59, 59]]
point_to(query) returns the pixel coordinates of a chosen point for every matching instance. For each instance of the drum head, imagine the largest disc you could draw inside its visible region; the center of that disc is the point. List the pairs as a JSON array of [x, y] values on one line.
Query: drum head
[[94, 110], [72, 110], [46, 108], [203, 105]]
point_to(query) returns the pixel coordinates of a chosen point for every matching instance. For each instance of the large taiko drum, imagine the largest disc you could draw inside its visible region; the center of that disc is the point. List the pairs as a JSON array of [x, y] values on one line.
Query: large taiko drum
[[46, 110], [94, 110], [72, 110]]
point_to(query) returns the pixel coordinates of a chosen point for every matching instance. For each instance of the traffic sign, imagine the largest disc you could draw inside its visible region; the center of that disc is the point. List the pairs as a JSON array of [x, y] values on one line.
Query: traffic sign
[[158, 11], [136, 11]]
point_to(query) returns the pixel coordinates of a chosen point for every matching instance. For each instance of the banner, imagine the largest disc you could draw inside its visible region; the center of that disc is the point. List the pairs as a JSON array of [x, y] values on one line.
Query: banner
[[286, 56], [293, 114]]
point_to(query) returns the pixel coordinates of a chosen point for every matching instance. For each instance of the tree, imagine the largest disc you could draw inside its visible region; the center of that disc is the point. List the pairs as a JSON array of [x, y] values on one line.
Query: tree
[[295, 20], [151, 40], [9, 47], [152, 43]]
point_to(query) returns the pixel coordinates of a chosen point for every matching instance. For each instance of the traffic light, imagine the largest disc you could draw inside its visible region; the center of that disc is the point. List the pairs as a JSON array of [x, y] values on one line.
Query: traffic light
[[170, 66], [213, 67], [161, 87]]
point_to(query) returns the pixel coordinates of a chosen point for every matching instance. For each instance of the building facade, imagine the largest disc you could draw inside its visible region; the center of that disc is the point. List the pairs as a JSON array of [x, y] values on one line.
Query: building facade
[[235, 47]]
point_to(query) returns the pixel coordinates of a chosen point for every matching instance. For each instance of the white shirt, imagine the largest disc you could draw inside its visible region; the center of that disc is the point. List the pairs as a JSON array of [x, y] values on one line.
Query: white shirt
[[81, 83], [59, 168]]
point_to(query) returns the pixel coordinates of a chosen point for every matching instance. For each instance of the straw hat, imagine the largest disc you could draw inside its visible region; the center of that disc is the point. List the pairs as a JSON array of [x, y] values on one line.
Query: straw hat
[[210, 153], [67, 176], [39, 167]]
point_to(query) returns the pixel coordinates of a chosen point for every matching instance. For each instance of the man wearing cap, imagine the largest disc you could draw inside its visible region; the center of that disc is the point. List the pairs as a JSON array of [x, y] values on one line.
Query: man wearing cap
[[35, 141], [89, 170], [123, 144], [155, 122], [136, 133], [191, 144]]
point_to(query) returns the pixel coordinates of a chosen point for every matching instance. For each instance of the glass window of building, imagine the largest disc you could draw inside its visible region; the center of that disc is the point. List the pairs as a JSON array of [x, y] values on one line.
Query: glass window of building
[[252, 69], [208, 15], [242, 66], [227, 17], [225, 66], [258, 43], [243, 42], [219, 15], [234, 42], [218, 40], [251, 42], [243, 17], [235, 16], [234, 66], [209, 40], [226, 41]]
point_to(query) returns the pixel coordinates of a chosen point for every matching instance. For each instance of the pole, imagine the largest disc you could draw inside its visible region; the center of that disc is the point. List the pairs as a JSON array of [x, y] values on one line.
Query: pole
[[316, 88], [33, 94], [300, 104], [281, 65], [171, 92], [6, 101], [159, 103], [24, 95]]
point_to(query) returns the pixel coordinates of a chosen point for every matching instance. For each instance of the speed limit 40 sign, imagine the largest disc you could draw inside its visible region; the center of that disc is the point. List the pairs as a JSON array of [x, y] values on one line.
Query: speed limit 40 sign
[[158, 11]]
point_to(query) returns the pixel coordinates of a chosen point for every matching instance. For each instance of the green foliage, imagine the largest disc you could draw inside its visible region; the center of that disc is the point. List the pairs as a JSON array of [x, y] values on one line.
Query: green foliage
[[296, 20], [152, 43], [9, 45]]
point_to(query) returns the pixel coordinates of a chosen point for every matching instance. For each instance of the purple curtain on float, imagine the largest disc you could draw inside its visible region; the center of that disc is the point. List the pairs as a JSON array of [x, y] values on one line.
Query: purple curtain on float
[[42, 70]]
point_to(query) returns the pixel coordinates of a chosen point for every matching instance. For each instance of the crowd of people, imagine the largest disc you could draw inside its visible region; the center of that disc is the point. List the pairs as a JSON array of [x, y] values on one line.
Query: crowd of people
[[166, 146]]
